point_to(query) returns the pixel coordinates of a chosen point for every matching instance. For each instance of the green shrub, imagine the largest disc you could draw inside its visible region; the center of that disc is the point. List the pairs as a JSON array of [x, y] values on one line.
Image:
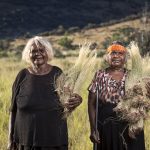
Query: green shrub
[[4, 44], [3, 54], [128, 34], [101, 53], [66, 42]]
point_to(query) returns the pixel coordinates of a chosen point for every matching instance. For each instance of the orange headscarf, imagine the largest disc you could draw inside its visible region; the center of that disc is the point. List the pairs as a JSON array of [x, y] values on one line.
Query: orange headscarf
[[116, 47]]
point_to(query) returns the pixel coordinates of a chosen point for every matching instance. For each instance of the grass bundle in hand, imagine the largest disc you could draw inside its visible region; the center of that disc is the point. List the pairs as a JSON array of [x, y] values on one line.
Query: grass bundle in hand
[[134, 107], [72, 80]]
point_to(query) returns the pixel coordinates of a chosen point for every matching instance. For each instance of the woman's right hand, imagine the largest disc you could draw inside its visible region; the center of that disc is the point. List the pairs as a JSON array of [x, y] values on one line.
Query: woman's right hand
[[11, 146], [94, 137]]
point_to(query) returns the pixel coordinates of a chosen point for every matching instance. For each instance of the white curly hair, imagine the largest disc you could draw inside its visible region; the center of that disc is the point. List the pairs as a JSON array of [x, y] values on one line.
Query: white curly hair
[[38, 41]]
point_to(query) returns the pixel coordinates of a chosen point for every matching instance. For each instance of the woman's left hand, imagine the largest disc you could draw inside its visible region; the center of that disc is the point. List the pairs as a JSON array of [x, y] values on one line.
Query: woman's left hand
[[74, 101]]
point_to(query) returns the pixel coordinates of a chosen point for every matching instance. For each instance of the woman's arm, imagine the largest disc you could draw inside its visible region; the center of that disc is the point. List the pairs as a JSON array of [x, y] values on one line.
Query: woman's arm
[[92, 117], [11, 143], [13, 108]]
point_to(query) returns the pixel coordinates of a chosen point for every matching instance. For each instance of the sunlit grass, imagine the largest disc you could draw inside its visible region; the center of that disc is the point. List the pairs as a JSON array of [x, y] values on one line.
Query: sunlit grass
[[78, 123]]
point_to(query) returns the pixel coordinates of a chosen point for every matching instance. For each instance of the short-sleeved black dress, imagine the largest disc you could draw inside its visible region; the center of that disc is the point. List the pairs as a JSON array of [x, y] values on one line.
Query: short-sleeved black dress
[[38, 120], [113, 135]]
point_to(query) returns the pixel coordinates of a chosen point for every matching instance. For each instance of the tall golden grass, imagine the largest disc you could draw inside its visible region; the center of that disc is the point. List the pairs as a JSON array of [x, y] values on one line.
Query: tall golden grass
[[72, 79], [78, 123]]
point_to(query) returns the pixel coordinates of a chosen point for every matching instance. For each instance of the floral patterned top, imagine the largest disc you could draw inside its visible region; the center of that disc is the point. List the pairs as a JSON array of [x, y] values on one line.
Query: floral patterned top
[[109, 90]]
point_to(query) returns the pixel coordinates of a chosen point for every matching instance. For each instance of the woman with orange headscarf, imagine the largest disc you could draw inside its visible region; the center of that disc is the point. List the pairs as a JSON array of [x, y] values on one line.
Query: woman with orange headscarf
[[105, 91]]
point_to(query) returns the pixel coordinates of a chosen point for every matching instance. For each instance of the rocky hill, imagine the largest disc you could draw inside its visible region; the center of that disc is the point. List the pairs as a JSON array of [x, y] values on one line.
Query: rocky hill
[[20, 17]]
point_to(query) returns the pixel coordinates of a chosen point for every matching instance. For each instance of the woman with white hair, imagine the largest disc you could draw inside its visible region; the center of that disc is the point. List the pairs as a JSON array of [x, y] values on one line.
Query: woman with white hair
[[36, 114], [105, 91]]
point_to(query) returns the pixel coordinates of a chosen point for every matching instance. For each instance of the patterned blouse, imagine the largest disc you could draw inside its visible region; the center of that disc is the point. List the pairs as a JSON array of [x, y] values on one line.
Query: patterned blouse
[[109, 90]]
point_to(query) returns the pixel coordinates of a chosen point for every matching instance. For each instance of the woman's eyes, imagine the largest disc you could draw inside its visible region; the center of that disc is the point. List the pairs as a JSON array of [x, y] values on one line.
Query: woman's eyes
[[117, 53], [39, 50]]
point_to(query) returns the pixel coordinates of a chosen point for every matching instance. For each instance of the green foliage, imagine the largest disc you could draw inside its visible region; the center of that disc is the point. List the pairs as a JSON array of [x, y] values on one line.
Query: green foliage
[[101, 53], [121, 34], [3, 54], [66, 42], [12, 54], [128, 34], [4, 44]]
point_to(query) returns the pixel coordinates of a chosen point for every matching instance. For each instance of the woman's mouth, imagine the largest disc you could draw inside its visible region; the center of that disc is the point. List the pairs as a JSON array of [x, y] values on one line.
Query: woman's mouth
[[38, 57], [116, 61]]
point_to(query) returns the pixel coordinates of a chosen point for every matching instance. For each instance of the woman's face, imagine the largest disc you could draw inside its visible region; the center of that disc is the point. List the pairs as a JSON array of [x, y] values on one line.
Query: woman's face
[[117, 59], [38, 55]]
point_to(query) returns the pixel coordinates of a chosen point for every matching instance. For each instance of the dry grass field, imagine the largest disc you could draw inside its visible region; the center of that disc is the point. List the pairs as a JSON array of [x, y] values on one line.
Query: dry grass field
[[78, 122]]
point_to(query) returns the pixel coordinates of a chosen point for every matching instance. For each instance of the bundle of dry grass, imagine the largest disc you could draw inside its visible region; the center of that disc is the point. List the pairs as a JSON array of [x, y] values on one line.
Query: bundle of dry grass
[[72, 80], [134, 107], [136, 65]]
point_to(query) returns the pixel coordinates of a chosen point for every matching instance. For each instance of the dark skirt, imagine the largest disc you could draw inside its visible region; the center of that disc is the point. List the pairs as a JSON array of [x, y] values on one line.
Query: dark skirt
[[22, 147], [114, 133]]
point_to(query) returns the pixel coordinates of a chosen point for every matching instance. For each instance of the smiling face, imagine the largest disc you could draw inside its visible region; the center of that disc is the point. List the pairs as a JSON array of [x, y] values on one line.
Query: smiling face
[[117, 59], [38, 55]]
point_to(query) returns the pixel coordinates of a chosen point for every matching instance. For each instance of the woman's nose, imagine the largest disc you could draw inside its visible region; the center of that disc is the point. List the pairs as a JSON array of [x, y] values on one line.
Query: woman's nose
[[37, 52], [116, 54]]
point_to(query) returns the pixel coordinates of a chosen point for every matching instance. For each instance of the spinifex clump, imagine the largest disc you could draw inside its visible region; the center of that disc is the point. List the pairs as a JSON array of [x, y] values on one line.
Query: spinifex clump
[[133, 108], [72, 80]]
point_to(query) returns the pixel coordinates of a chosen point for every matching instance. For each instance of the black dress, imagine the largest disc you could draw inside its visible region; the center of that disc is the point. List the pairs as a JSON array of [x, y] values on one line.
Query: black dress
[[38, 120], [113, 132]]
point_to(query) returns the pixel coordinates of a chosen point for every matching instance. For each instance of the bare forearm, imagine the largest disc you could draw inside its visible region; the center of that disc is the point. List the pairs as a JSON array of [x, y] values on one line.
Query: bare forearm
[[92, 111]]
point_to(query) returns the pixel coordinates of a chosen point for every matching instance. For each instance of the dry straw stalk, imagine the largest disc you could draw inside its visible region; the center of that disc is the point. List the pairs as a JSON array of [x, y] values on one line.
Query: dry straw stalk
[[72, 80]]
